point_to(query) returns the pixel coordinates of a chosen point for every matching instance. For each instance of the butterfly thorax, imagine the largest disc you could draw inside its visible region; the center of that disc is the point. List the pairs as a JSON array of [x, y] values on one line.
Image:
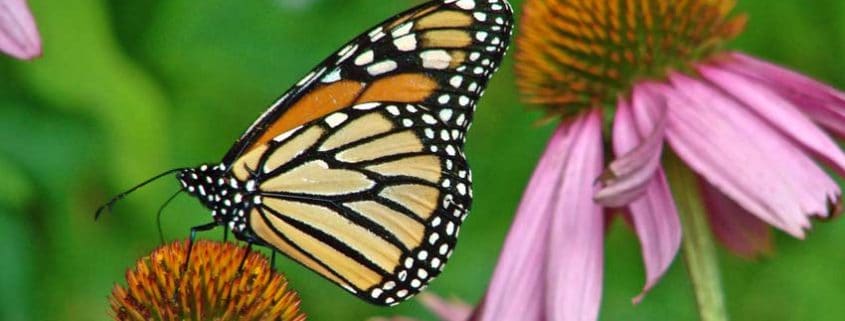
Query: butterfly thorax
[[228, 198]]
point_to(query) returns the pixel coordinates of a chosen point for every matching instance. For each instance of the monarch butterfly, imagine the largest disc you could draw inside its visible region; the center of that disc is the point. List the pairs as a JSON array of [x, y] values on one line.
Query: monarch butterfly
[[358, 171]]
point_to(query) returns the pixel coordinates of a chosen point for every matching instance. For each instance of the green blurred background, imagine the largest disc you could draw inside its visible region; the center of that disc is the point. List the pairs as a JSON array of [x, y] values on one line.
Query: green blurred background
[[127, 89]]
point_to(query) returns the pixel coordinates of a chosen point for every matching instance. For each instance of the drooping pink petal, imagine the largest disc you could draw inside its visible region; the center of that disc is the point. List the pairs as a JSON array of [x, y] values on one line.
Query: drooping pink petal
[[516, 291], [627, 177], [576, 244], [653, 215], [824, 104], [735, 228], [18, 35], [779, 112], [745, 158], [451, 310], [658, 228]]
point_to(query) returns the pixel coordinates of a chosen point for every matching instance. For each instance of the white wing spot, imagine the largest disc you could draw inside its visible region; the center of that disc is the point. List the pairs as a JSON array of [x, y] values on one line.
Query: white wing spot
[[456, 81], [376, 34], [481, 36], [463, 100], [364, 58], [433, 238], [366, 106], [435, 262], [473, 86], [389, 285], [445, 115], [382, 67], [428, 119], [435, 59], [347, 52], [466, 4], [402, 30], [286, 135], [332, 76], [406, 43], [336, 119], [443, 99], [451, 151]]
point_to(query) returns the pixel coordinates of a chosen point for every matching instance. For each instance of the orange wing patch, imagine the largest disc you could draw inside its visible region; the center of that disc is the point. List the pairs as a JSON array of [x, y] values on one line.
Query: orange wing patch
[[316, 104], [402, 88]]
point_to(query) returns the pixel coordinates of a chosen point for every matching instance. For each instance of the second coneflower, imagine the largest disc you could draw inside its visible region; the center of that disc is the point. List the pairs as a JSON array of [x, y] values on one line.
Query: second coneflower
[[703, 138], [19, 36], [213, 287]]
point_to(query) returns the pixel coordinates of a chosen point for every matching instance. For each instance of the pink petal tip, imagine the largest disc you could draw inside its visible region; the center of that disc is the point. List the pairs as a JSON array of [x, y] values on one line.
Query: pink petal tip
[[19, 36]]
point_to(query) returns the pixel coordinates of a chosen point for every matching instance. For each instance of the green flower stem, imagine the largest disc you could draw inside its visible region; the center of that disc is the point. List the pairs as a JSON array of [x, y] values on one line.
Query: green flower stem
[[699, 250]]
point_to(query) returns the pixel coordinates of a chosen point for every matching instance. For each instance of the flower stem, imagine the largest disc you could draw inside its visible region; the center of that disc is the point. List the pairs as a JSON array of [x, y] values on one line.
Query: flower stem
[[699, 252]]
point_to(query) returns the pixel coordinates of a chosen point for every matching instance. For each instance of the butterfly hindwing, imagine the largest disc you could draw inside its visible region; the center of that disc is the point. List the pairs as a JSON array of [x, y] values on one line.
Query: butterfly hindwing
[[372, 202], [358, 171]]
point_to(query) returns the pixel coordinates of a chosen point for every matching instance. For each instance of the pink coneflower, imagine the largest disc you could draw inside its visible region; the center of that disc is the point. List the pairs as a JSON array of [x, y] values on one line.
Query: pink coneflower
[[18, 35], [700, 136], [703, 139]]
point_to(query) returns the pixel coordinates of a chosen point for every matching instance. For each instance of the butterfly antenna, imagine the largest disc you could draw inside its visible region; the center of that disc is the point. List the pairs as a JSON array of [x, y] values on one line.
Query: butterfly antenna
[[161, 210], [108, 206]]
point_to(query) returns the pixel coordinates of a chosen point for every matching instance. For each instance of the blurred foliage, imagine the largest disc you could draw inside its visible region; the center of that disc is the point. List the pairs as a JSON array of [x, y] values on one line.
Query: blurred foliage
[[127, 89]]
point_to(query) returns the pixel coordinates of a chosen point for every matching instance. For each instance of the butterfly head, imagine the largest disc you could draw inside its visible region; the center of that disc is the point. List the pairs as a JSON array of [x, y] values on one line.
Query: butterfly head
[[203, 182], [228, 198]]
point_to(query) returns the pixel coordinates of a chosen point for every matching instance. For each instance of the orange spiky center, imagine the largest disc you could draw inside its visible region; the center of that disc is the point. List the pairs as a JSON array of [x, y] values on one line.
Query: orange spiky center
[[212, 287], [575, 54]]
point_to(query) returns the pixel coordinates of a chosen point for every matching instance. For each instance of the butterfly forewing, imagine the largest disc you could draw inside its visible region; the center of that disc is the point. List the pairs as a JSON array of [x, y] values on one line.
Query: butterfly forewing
[[360, 170]]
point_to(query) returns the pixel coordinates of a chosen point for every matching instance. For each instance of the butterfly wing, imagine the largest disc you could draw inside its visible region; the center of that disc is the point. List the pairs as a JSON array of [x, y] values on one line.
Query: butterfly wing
[[360, 167]]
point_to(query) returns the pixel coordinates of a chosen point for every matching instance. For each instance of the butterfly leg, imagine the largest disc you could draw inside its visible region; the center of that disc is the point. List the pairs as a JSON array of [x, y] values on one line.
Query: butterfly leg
[[273, 259], [225, 234], [194, 230]]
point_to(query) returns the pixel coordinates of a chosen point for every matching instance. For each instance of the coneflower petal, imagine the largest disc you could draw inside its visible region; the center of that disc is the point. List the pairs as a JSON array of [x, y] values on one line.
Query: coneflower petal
[[824, 104], [445, 310], [653, 215], [745, 158], [518, 283], [576, 243], [18, 34], [626, 177], [780, 113], [738, 230]]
